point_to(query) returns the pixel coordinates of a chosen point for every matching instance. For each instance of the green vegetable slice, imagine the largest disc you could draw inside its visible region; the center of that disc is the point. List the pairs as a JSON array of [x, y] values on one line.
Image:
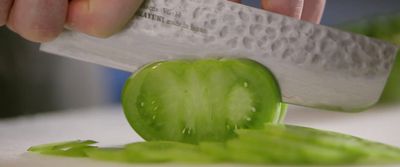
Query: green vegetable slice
[[201, 100], [276, 144], [164, 151], [300, 145], [71, 148], [109, 154]]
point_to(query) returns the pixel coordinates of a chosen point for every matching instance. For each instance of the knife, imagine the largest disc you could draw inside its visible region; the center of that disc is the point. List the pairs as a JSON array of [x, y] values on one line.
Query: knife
[[315, 66]]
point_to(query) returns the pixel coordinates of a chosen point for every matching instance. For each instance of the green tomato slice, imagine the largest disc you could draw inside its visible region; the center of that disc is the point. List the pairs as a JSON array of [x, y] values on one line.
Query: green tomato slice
[[275, 144], [152, 152], [74, 148], [278, 144], [201, 100]]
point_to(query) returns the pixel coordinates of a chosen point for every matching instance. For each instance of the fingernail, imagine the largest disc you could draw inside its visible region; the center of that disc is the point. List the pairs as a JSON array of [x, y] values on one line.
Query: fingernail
[[292, 8]]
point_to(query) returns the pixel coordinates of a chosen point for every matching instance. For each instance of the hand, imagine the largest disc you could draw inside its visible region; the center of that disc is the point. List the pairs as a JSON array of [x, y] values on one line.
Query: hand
[[308, 10], [43, 20]]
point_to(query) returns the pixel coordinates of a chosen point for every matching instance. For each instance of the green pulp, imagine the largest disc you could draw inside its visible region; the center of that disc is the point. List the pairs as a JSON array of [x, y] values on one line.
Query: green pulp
[[197, 100], [275, 144]]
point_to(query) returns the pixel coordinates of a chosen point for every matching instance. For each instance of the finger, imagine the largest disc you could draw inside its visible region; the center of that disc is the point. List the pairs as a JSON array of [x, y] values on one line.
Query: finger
[[292, 8], [38, 20], [5, 6], [101, 18], [313, 10]]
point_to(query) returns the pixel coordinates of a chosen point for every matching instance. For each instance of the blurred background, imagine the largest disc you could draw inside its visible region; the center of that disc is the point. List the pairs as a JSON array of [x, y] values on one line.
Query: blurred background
[[32, 81]]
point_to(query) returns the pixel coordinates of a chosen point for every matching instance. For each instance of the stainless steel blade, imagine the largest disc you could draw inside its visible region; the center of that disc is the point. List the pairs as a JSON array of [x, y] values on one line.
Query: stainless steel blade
[[315, 66]]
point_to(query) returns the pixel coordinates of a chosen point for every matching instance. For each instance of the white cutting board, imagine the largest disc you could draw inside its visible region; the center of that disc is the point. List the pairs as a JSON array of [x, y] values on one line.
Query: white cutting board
[[108, 126]]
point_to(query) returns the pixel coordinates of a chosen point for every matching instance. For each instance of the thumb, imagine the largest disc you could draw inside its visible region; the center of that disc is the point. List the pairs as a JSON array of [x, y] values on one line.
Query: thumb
[[292, 8]]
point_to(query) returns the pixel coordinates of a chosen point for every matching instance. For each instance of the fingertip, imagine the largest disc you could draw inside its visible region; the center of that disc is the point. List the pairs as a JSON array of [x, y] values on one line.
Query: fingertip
[[36, 35], [79, 18], [41, 36], [313, 10], [292, 8], [100, 18], [38, 20], [99, 33]]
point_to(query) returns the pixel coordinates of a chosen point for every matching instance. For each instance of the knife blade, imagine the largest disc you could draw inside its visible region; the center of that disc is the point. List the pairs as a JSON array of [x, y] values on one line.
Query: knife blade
[[315, 66]]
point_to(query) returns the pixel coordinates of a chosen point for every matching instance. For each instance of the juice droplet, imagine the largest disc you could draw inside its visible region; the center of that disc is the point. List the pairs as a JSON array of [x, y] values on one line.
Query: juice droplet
[[246, 85], [156, 66]]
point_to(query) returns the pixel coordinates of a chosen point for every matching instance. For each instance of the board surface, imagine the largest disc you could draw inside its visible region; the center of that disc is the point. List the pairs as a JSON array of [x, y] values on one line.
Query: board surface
[[108, 126]]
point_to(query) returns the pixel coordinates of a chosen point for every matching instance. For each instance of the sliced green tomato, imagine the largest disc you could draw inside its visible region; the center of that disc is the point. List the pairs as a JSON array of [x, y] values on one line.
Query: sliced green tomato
[[299, 145], [201, 100], [276, 144], [162, 151], [109, 154], [71, 148], [153, 152]]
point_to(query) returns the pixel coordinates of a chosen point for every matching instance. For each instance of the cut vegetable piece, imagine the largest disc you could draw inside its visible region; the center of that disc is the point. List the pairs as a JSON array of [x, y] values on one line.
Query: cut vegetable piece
[[70, 152], [299, 145], [280, 148], [153, 152], [201, 100], [71, 148], [61, 145], [217, 150], [167, 152], [110, 154], [276, 144]]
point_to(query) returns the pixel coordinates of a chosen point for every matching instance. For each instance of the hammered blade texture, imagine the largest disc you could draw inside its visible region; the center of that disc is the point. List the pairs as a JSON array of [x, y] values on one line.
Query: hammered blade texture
[[239, 27], [315, 65]]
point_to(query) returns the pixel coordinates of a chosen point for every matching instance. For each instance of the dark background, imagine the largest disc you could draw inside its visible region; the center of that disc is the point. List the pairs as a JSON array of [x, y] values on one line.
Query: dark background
[[32, 82], [340, 11]]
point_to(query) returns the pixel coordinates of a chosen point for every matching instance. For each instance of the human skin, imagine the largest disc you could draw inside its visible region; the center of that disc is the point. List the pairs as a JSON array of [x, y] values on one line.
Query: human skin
[[44, 20]]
